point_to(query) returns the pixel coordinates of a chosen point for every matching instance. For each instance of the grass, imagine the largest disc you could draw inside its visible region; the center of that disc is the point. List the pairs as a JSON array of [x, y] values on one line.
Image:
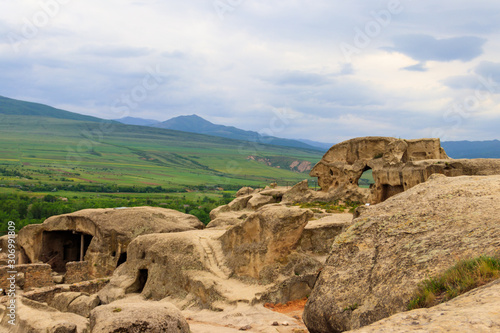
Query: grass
[[64, 153], [464, 276], [330, 207]]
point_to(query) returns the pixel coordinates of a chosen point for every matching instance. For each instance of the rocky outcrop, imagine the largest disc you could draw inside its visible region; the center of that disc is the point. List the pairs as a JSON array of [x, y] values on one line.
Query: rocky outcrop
[[375, 265], [35, 317], [266, 236], [76, 302], [475, 311], [134, 315], [245, 263], [397, 165], [98, 236]]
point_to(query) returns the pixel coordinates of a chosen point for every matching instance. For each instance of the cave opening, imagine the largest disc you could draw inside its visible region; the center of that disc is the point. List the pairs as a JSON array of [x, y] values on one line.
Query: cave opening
[[61, 247]]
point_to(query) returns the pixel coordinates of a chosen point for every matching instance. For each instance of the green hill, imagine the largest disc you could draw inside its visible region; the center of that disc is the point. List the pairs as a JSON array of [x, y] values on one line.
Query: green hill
[[16, 107], [44, 148]]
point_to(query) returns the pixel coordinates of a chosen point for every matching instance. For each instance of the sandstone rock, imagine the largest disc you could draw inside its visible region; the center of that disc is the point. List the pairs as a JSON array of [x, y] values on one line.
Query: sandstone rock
[[475, 311], [138, 316], [62, 301], [83, 304], [258, 200], [245, 191], [391, 247], [239, 203], [104, 235], [397, 166], [267, 235], [318, 235], [34, 317]]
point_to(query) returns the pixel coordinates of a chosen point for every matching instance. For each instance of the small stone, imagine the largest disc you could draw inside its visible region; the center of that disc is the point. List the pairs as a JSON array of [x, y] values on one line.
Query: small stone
[[296, 317], [245, 328], [285, 323], [276, 323], [58, 279]]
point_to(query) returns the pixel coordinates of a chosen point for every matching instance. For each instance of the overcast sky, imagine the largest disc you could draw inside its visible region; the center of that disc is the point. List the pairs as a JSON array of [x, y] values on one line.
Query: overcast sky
[[324, 70]]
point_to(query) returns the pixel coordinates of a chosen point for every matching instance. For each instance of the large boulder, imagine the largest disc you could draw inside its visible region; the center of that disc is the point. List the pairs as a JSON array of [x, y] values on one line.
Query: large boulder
[[104, 235], [75, 302], [375, 265], [475, 311], [35, 317], [138, 316], [265, 237]]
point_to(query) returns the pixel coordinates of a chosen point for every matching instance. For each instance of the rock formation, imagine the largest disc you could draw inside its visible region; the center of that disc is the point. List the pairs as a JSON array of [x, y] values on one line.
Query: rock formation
[[136, 315], [217, 265], [376, 263], [99, 237], [475, 311], [397, 166]]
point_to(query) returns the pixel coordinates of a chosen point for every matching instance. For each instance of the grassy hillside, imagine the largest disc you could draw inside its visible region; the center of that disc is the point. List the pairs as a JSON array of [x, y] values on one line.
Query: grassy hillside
[[9, 106], [37, 152]]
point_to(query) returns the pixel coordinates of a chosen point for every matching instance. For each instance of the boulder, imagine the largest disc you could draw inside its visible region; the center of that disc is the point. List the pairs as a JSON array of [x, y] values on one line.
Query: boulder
[[138, 316], [83, 304], [35, 317], [245, 191], [376, 264], [475, 311], [266, 236], [258, 200]]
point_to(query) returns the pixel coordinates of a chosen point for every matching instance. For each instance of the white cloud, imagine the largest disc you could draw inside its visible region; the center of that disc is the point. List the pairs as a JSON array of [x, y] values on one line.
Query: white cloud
[[261, 57]]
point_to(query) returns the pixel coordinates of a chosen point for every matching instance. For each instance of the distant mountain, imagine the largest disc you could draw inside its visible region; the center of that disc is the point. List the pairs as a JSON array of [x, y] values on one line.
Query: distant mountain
[[196, 124], [137, 121], [322, 145], [472, 149], [9, 106]]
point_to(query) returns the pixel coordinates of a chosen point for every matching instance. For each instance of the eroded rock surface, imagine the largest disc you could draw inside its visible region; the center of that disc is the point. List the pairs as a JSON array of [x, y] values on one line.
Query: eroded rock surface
[[397, 165], [266, 236], [376, 263], [104, 235], [134, 315], [475, 311]]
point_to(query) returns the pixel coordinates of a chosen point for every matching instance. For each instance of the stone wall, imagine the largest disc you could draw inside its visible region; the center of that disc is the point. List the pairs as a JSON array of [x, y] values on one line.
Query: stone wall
[[77, 271], [27, 276]]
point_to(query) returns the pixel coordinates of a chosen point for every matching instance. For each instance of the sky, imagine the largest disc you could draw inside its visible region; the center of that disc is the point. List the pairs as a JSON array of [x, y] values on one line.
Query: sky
[[323, 70]]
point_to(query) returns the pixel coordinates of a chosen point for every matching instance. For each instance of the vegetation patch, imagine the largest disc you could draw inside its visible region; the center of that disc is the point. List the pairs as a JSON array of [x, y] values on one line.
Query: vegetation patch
[[464, 276], [330, 207]]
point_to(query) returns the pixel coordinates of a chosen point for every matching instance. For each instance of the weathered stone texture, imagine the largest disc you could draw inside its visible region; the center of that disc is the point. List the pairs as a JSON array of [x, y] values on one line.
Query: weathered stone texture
[[377, 262], [77, 271], [397, 166], [33, 276]]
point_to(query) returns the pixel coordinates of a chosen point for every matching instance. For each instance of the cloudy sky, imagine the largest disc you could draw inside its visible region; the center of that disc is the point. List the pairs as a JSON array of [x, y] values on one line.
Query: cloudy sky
[[324, 70]]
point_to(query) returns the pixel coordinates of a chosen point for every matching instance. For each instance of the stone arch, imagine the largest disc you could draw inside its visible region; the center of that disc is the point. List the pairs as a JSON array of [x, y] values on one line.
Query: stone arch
[[365, 179]]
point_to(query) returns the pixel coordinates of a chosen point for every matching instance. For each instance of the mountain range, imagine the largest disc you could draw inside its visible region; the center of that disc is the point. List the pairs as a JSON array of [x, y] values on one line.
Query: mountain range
[[198, 125]]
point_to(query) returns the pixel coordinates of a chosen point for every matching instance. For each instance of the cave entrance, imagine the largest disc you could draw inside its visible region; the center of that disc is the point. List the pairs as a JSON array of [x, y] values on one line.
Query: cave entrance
[[139, 283], [389, 191], [366, 180], [122, 259], [61, 247]]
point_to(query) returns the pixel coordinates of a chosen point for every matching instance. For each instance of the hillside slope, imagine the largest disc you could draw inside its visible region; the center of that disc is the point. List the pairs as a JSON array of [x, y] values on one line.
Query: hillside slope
[[9, 106], [66, 153], [196, 124]]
